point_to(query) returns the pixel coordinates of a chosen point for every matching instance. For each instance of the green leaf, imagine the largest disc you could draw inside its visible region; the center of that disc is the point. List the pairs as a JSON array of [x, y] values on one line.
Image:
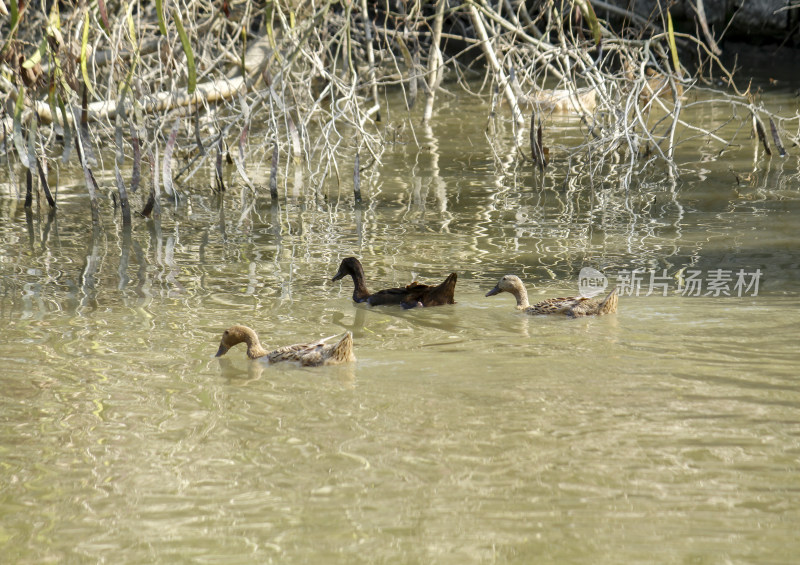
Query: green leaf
[[160, 11], [54, 20], [14, 13], [51, 102], [591, 18], [187, 49], [270, 31], [132, 32], [131, 27], [37, 55], [20, 103], [244, 50], [84, 43], [672, 46]]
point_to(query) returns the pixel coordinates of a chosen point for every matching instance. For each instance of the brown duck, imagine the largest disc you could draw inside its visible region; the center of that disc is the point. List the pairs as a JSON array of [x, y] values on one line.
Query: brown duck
[[307, 354], [410, 296], [574, 306]]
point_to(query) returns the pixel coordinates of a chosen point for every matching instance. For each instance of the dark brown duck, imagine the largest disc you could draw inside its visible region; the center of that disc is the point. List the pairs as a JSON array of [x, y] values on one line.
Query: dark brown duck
[[410, 296]]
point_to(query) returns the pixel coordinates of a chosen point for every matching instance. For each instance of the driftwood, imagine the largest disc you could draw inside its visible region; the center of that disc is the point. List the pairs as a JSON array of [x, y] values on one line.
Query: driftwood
[[213, 91], [209, 92]]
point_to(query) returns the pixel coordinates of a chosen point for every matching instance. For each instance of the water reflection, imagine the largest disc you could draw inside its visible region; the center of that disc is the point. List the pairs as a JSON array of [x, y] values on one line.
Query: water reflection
[[547, 233], [89, 271], [245, 373]]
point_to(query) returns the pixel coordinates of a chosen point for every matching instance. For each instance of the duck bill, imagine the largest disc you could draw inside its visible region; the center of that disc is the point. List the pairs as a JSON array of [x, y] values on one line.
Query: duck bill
[[222, 350], [339, 275], [495, 290]]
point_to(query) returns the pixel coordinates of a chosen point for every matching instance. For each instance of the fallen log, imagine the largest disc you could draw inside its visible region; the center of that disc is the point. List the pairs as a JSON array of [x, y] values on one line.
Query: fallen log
[[256, 60]]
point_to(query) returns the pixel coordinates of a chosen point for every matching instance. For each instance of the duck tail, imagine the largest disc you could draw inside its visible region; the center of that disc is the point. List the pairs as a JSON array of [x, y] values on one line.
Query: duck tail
[[609, 303], [342, 352], [447, 289]]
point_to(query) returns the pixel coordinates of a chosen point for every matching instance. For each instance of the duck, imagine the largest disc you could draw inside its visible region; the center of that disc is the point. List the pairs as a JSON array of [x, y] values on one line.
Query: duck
[[311, 354], [410, 296], [573, 307]]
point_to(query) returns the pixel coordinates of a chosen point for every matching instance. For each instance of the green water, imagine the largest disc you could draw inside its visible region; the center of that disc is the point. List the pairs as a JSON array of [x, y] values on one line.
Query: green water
[[470, 433]]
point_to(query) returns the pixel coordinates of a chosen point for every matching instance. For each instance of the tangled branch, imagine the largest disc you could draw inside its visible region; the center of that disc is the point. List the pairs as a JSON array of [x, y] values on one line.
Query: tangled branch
[[312, 74]]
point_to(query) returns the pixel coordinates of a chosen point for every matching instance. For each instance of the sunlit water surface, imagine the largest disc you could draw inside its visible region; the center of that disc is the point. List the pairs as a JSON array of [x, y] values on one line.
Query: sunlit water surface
[[470, 433]]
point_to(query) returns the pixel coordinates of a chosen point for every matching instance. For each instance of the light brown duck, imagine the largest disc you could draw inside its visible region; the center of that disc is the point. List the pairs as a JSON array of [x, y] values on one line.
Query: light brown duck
[[573, 306], [308, 354]]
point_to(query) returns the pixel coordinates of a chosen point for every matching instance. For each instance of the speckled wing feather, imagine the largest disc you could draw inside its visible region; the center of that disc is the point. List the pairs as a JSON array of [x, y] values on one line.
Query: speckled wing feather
[[584, 308], [294, 352], [315, 357], [555, 305], [596, 306], [316, 353]]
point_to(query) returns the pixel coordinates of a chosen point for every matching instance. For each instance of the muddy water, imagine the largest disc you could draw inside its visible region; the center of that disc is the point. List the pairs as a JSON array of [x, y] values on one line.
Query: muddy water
[[464, 434]]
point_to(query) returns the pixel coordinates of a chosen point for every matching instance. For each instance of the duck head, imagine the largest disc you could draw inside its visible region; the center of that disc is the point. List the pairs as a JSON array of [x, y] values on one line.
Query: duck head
[[514, 285], [235, 335], [509, 283], [352, 266], [349, 266]]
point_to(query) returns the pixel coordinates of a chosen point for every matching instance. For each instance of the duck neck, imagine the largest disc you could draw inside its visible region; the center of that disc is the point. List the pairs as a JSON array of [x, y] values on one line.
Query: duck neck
[[360, 293], [254, 349], [521, 294]]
